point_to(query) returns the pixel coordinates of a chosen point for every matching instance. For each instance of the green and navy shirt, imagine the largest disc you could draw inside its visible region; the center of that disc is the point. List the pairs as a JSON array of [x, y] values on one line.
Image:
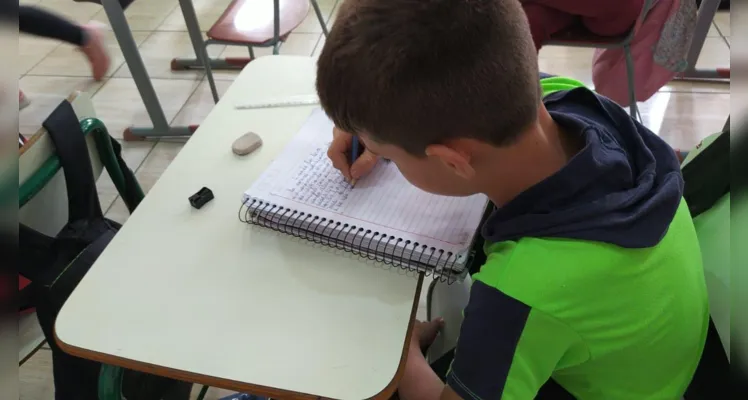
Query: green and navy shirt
[[593, 279]]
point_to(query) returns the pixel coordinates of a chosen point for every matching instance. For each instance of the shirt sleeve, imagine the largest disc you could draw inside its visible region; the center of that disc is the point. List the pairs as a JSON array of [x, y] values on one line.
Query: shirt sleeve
[[506, 349]]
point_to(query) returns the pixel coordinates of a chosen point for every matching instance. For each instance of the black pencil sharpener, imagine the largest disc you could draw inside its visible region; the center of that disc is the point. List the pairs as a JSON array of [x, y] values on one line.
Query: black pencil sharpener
[[202, 197]]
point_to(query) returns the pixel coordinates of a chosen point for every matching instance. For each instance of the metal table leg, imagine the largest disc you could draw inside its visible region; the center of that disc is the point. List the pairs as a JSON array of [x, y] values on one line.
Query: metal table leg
[[707, 11], [122, 32]]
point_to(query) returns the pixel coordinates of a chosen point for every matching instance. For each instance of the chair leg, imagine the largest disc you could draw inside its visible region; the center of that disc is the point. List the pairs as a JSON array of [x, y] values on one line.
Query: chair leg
[[110, 382], [209, 72], [276, 26], [320, 17], [251, 52], [203, 392], [633, 108]]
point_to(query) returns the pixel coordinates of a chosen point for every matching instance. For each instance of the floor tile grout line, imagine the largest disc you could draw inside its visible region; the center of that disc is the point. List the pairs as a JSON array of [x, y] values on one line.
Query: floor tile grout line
[[316, 45], [151, 32], [176, 6], [681, 91], [124, 61], [168, 13], [197, 87], [722, 35], [45, 56], [321, 34]]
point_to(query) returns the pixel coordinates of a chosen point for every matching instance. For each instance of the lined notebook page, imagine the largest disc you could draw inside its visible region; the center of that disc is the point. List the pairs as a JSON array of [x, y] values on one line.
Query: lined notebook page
[[303, 178]]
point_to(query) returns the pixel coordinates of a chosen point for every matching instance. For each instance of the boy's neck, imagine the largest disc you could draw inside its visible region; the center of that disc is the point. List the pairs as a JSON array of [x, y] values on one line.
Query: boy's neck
[[538, 154]]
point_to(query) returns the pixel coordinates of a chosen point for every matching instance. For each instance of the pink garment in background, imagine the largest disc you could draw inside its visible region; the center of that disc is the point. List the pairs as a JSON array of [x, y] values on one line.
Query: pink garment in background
[[601, 17]]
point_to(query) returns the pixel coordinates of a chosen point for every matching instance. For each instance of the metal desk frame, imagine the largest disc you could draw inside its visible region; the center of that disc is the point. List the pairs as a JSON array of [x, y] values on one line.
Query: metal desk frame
[[122, 32]]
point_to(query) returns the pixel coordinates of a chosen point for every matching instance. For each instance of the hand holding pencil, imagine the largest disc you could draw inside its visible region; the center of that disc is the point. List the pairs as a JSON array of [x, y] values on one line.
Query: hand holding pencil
[[350, 157]]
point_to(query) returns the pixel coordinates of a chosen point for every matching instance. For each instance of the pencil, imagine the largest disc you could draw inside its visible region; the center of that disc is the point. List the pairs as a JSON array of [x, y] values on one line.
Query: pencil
[[354, 155]]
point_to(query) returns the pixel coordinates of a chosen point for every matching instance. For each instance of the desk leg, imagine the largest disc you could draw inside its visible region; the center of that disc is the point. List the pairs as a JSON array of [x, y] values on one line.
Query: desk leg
[[706, 14], [193, 28], [122, 32]]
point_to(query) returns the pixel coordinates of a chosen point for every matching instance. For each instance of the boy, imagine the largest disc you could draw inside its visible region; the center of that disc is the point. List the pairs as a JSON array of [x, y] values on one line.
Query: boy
[[593, 284]]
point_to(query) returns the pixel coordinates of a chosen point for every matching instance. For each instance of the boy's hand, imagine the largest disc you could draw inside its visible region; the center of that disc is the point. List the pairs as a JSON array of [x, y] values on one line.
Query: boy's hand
[[424, 333], [339, 153]]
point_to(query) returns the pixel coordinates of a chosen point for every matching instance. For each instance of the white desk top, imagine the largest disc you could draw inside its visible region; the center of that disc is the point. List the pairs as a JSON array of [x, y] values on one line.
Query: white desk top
[[200, 296]]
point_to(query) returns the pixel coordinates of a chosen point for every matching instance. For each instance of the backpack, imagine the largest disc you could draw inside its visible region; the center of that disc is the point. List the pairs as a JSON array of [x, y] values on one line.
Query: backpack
[[55, 265], [659, 48]]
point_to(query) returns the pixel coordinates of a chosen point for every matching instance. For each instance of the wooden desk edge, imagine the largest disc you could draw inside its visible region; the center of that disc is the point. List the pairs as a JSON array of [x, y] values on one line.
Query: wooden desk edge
[[185, 376]]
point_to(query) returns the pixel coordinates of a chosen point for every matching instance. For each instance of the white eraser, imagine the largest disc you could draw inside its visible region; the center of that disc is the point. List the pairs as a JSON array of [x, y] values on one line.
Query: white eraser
[[246, 144]]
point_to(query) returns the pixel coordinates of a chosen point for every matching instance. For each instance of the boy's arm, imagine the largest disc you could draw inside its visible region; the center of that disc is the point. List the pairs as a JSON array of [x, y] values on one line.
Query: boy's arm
[[506, 349]]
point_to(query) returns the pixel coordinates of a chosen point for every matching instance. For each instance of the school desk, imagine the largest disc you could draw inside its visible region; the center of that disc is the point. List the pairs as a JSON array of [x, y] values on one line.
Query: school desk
[[199, 296]]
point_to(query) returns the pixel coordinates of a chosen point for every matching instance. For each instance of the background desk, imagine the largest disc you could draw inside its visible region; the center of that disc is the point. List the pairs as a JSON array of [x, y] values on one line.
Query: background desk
[[134, 61], [199, 296]]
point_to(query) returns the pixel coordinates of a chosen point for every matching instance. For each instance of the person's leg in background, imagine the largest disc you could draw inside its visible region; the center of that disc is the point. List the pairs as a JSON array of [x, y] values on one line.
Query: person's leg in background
[[88, 39]]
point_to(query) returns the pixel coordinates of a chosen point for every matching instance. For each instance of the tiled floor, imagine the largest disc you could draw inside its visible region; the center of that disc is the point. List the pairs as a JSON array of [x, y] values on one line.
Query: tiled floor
[[682, 113]]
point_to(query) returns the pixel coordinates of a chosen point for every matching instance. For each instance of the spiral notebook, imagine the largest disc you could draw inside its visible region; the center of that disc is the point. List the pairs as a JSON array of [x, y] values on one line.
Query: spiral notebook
[[382, 218]]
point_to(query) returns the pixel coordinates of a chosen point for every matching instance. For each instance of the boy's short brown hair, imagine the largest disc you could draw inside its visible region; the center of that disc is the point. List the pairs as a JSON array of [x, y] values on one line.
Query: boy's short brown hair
[[417, 72]]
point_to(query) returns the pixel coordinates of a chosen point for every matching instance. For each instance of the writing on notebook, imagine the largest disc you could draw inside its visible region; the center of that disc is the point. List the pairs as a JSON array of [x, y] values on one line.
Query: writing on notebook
[[383, 202], [317, 183]]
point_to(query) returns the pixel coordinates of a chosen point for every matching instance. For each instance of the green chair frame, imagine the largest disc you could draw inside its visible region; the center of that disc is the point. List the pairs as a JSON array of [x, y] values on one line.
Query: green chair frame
[[110, 384], [89, 126]]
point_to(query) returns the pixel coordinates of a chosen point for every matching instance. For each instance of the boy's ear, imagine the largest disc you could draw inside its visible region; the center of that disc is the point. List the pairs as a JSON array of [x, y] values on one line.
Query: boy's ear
[[453, 158]]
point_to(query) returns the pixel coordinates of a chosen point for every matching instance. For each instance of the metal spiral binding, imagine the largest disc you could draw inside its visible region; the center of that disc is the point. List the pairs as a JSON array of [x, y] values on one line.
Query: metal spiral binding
[[363, 243]]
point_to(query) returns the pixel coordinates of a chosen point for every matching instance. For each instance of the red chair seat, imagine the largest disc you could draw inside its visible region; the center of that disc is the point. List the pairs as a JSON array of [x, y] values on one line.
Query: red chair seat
[[579, 35], [251, 21]]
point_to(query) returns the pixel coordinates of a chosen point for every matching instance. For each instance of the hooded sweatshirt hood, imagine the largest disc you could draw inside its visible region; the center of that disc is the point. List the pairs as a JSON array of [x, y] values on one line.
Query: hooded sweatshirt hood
[[622, 188]]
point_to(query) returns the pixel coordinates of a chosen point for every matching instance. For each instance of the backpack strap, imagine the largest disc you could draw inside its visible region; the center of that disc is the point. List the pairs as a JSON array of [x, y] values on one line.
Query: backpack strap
[[131, 193], [66, 134]]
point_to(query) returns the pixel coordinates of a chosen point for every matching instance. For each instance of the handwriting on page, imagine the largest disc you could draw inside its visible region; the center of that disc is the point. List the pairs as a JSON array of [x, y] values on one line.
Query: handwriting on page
[[317, 183], [303, 179]]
